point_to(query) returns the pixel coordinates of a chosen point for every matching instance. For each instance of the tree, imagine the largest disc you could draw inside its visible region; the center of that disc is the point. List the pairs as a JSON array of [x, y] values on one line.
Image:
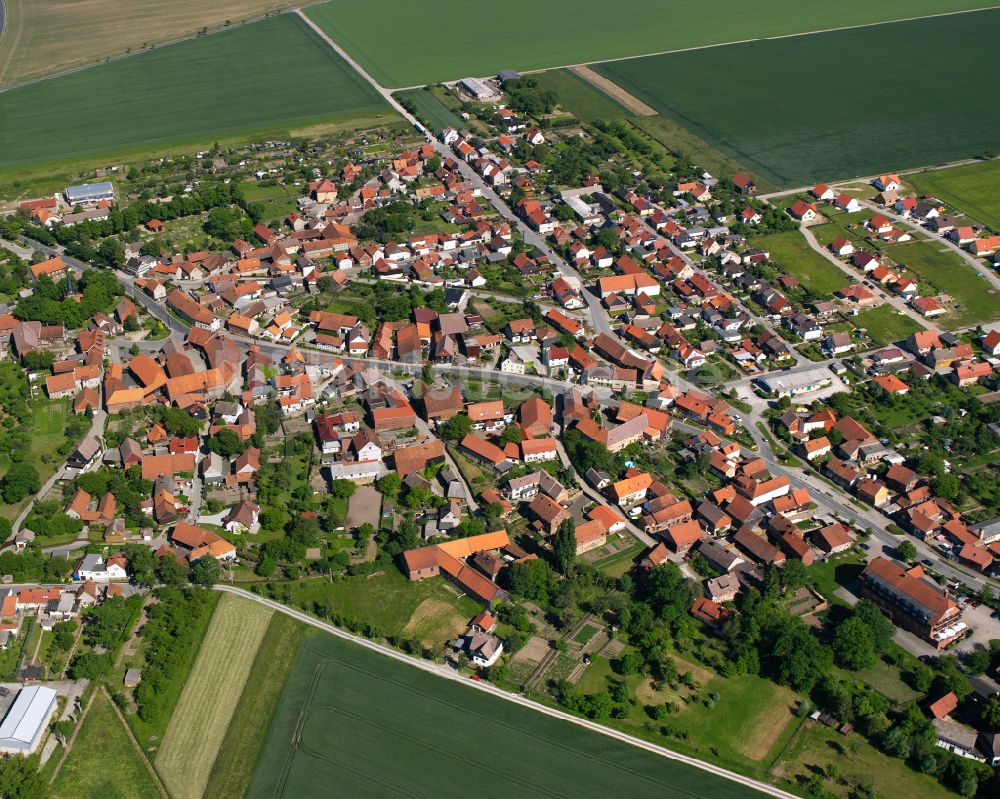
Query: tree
[[991, 713], [21, 779], [142, 565], [390, 484], [853, 645], [206, 571], [882, 629], [905, 550], [457, 427], [564, 545], [945, 486], [20, 481], [225, 443], [343, 489], [224, 223]]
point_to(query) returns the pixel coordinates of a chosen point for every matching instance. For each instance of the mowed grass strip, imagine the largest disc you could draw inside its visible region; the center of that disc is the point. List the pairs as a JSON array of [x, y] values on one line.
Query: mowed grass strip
[[266, 76], [104, 763], [820, 126], [233, 768], [199, 724], [400, 43], [970, 189], [355, 723]]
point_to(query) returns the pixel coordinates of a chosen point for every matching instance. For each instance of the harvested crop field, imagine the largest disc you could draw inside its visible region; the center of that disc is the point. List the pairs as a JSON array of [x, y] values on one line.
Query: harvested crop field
[[400, 43], [199, 724], [355, 723], [820, 126], [193, 92], [244, 739], [51, 36]]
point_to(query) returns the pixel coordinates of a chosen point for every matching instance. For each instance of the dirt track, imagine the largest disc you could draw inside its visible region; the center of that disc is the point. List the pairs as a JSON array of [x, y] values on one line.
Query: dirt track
[[613, 90]]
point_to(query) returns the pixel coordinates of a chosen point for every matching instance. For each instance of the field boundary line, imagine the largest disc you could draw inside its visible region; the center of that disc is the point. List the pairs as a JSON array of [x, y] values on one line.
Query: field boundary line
[[128, 731], [72, 739], [445, 673]]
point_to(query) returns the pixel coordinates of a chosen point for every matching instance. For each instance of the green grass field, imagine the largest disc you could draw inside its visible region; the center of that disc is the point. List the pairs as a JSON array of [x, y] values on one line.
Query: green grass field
[[972, 189], [885, 325], [273, 75], [356, 723], [104, 763], [401, 45], [244, 741], [582, 99], [211, 694], [952, 275], [791, 252], [389, 601], [820, 126], [430, 110]]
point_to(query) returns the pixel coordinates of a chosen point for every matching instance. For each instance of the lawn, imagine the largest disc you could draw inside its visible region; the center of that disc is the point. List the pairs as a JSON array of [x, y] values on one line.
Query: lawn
[[976, 299], [196, 91], [972, 189], [243, 743], [435, 115], [817, 747], [46, 37], [399, 44], [213, 690], [388, 601], [819, 126], [579, 97], [743, 731], [48, 421], [104, 763], [791, 252], [356, 723], [885, 325]]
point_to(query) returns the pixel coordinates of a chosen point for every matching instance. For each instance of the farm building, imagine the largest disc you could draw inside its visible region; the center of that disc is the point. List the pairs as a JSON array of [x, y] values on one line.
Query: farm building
[[26, 719]]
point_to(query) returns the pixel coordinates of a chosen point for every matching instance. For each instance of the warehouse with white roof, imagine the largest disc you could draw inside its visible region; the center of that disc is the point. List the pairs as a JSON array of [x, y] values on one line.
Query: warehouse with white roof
[[25, 721]]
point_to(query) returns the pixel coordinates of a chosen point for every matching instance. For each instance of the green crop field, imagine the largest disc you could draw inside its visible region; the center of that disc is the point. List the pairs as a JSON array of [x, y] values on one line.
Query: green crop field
[[199, 724], [355, 723], [88, 772], [791, 252], [580, 98], [972, 189], [271, 76], [833, 117], [402, 44]]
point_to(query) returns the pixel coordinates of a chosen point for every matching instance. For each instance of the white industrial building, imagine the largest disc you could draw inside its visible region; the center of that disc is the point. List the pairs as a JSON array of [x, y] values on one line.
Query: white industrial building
[[89, 193], [26, 720], [789, 385]]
